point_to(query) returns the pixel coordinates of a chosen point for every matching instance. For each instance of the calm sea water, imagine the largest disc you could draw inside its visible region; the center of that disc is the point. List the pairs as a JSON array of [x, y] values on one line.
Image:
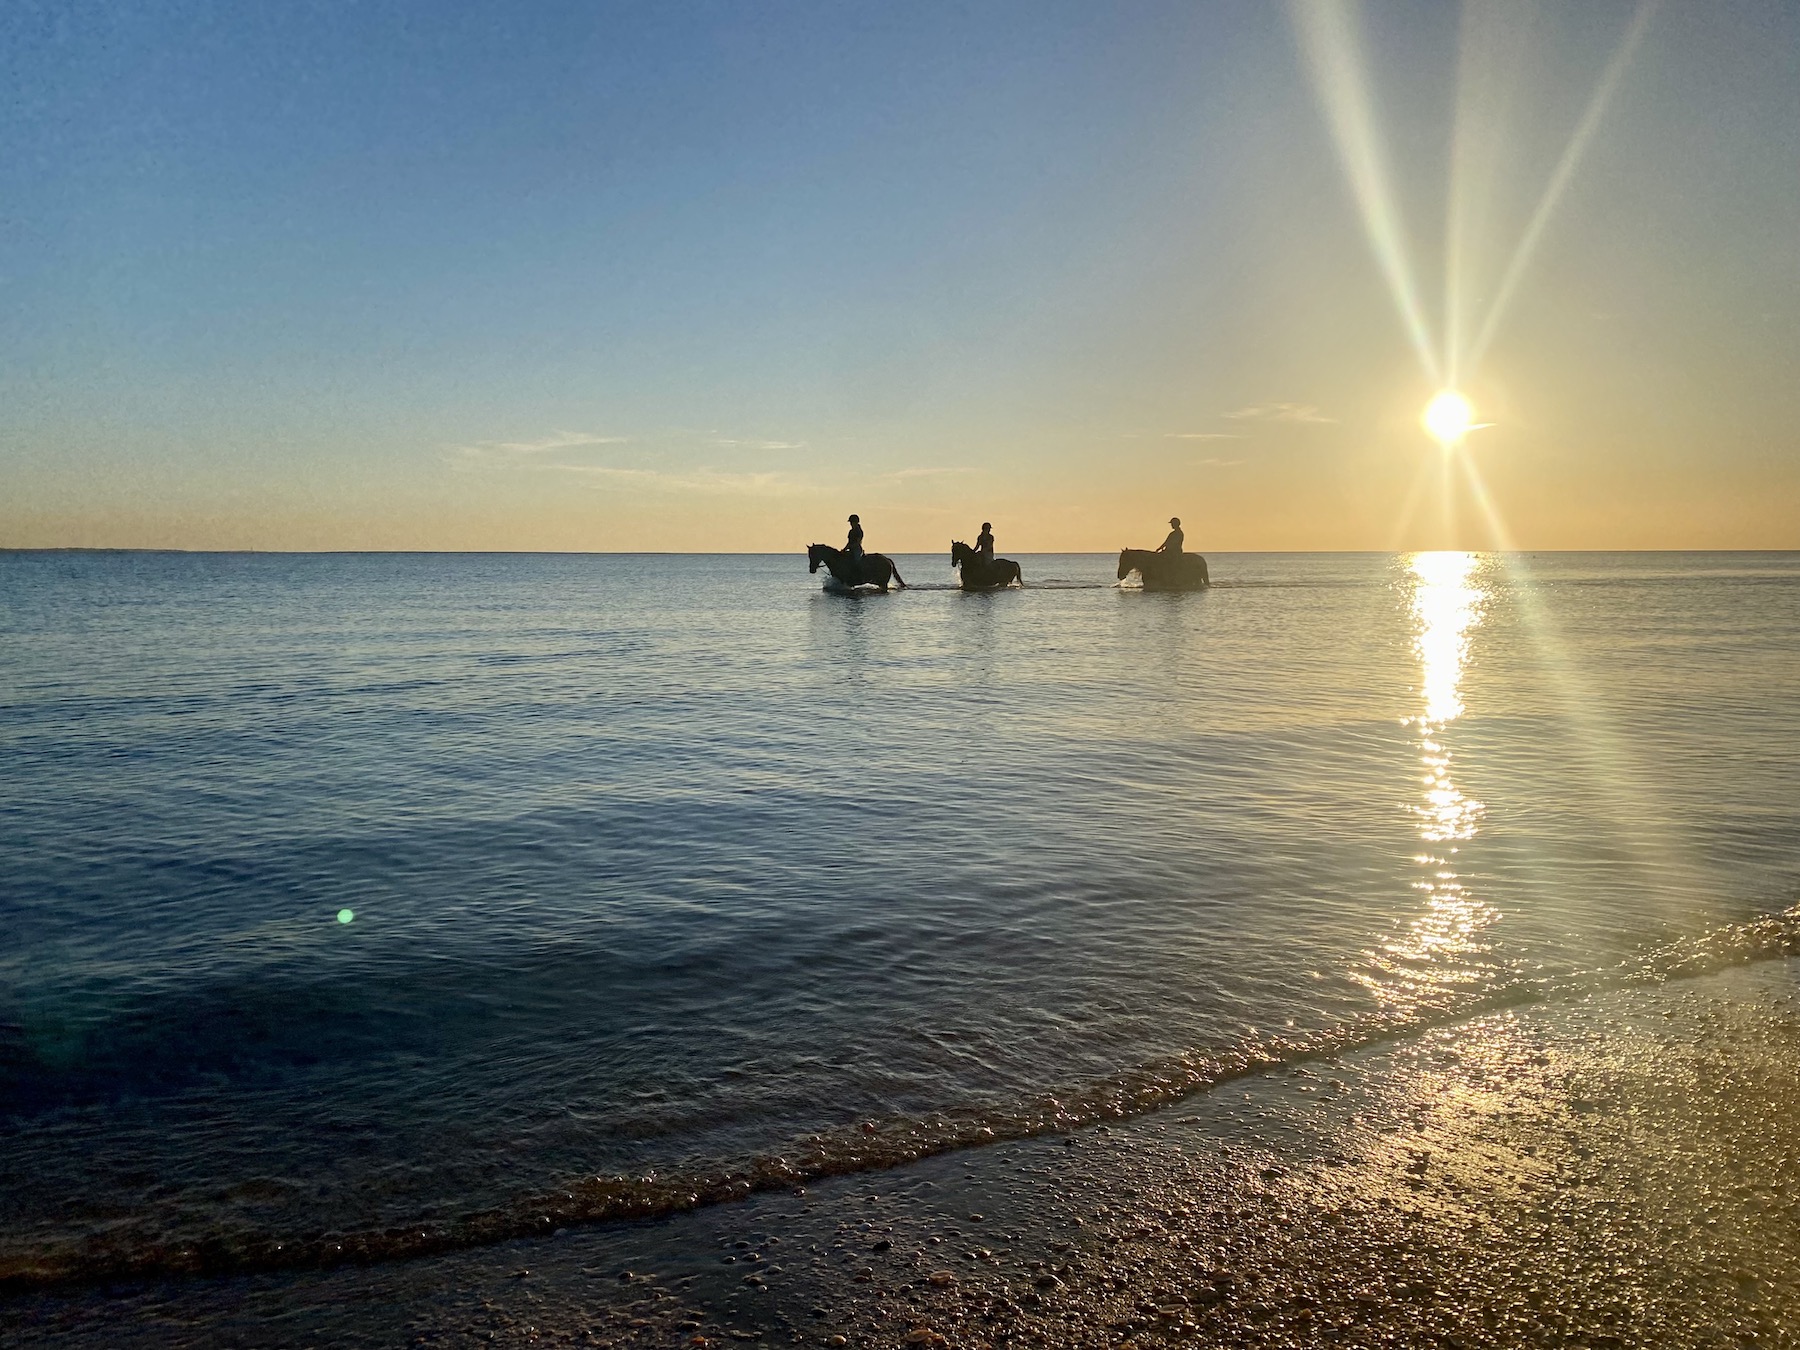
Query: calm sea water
[[374, 895]]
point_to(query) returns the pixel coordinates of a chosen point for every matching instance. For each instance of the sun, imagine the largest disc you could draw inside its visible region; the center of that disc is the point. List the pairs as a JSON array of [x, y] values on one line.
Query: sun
[[1448, 417]]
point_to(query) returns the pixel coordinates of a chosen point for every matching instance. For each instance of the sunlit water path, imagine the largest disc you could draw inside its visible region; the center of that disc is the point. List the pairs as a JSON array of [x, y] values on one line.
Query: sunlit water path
[[679, 873]]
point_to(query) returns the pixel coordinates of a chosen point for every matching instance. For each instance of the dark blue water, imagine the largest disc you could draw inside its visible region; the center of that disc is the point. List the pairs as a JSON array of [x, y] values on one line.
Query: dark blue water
[[345, 892]]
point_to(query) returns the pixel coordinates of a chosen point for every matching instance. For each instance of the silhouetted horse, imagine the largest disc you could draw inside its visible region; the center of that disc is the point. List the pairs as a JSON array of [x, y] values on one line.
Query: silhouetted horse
[[875, 570], [1164, 571], [978, 574]]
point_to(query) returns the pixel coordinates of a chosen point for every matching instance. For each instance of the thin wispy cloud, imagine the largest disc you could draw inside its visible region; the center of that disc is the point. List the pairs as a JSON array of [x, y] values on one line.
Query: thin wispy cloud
[[560, 440], [932, 472], [1280, 412], [487, 455], [697, 480], [760, 445], [564, 452], [1204, 436], [1220, 463]]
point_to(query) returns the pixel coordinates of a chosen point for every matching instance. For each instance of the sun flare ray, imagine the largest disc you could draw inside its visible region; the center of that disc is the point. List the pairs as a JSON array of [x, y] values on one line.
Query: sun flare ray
[[1559, 182], [1492, 53], [1493, 47], [1333, 49], [1664, 865]]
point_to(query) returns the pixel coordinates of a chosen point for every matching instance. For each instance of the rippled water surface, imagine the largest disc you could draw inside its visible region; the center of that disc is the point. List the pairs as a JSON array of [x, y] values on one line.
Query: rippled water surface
[[346, 892]]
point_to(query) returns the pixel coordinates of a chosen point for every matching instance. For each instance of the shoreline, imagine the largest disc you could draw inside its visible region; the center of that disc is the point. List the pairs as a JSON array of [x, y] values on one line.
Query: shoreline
[[1609, 1170], [875, 1146]]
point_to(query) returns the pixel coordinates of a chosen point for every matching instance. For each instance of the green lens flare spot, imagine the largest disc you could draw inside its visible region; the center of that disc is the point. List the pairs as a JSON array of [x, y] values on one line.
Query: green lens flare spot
[[345, 915]]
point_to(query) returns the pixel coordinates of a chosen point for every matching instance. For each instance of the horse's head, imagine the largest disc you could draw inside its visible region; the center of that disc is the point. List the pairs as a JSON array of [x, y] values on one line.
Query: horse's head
[[815, 554], [959, 552], [1124, 563]]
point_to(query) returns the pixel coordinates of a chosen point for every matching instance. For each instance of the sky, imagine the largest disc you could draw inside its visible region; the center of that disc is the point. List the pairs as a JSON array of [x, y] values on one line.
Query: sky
[[708, 277]]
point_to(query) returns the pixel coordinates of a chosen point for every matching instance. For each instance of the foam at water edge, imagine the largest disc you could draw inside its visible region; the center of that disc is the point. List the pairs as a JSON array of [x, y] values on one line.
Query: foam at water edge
[[864, 1147]]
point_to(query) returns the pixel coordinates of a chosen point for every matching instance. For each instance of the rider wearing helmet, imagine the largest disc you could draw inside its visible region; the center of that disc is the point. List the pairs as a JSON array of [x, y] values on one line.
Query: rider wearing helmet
[[1172, 545], [984, 543], [853, 545]]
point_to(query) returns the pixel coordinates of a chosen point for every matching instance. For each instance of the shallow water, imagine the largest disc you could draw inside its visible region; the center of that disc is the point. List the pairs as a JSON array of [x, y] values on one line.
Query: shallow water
[[657, 865]]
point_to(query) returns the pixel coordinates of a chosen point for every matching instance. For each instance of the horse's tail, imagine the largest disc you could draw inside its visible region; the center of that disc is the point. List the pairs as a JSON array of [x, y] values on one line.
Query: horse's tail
[[897, 576]]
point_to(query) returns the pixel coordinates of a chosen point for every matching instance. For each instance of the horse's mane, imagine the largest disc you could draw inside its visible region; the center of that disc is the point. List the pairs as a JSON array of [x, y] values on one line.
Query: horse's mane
[[1131, 559]]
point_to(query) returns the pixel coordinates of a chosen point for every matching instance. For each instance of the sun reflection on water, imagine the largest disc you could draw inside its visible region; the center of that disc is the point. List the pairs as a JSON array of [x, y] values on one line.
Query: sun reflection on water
[[1442, 949]]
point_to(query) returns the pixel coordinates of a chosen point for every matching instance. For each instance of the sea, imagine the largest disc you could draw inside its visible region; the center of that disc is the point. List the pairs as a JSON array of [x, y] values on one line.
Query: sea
[[363, 905]]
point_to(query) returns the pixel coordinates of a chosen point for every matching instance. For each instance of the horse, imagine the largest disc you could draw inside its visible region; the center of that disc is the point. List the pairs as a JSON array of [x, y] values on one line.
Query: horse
[[1163, 571], [979, 574], [876, 568]]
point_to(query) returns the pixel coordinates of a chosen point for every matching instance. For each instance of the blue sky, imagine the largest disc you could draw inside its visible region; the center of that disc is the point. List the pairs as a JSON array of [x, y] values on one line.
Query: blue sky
[[623, 276]]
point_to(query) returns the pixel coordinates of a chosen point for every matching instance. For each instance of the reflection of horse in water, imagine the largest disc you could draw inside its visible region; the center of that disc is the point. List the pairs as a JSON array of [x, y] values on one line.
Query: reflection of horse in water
[[875, 570], [1164, 571], [978, 574]]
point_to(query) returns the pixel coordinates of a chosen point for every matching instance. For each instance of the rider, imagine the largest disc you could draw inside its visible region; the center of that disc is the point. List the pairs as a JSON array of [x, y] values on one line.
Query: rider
[[1172, 545], [853, 545], [984, 543]]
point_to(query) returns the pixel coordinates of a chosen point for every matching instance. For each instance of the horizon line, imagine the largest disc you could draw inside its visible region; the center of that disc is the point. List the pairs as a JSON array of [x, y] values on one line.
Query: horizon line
[[787, 553]]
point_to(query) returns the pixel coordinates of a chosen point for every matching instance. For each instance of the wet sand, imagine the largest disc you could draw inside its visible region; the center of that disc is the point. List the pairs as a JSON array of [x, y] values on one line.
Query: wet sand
[[1617, 1170]]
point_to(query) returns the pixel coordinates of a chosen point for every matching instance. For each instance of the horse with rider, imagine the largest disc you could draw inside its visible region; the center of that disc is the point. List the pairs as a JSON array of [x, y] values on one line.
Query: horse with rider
[[980, 569], [1167, 568], [850, 566]]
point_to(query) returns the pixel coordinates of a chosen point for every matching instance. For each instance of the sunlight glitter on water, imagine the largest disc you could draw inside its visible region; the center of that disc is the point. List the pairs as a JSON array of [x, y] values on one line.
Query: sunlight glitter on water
[[1443, 947]]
